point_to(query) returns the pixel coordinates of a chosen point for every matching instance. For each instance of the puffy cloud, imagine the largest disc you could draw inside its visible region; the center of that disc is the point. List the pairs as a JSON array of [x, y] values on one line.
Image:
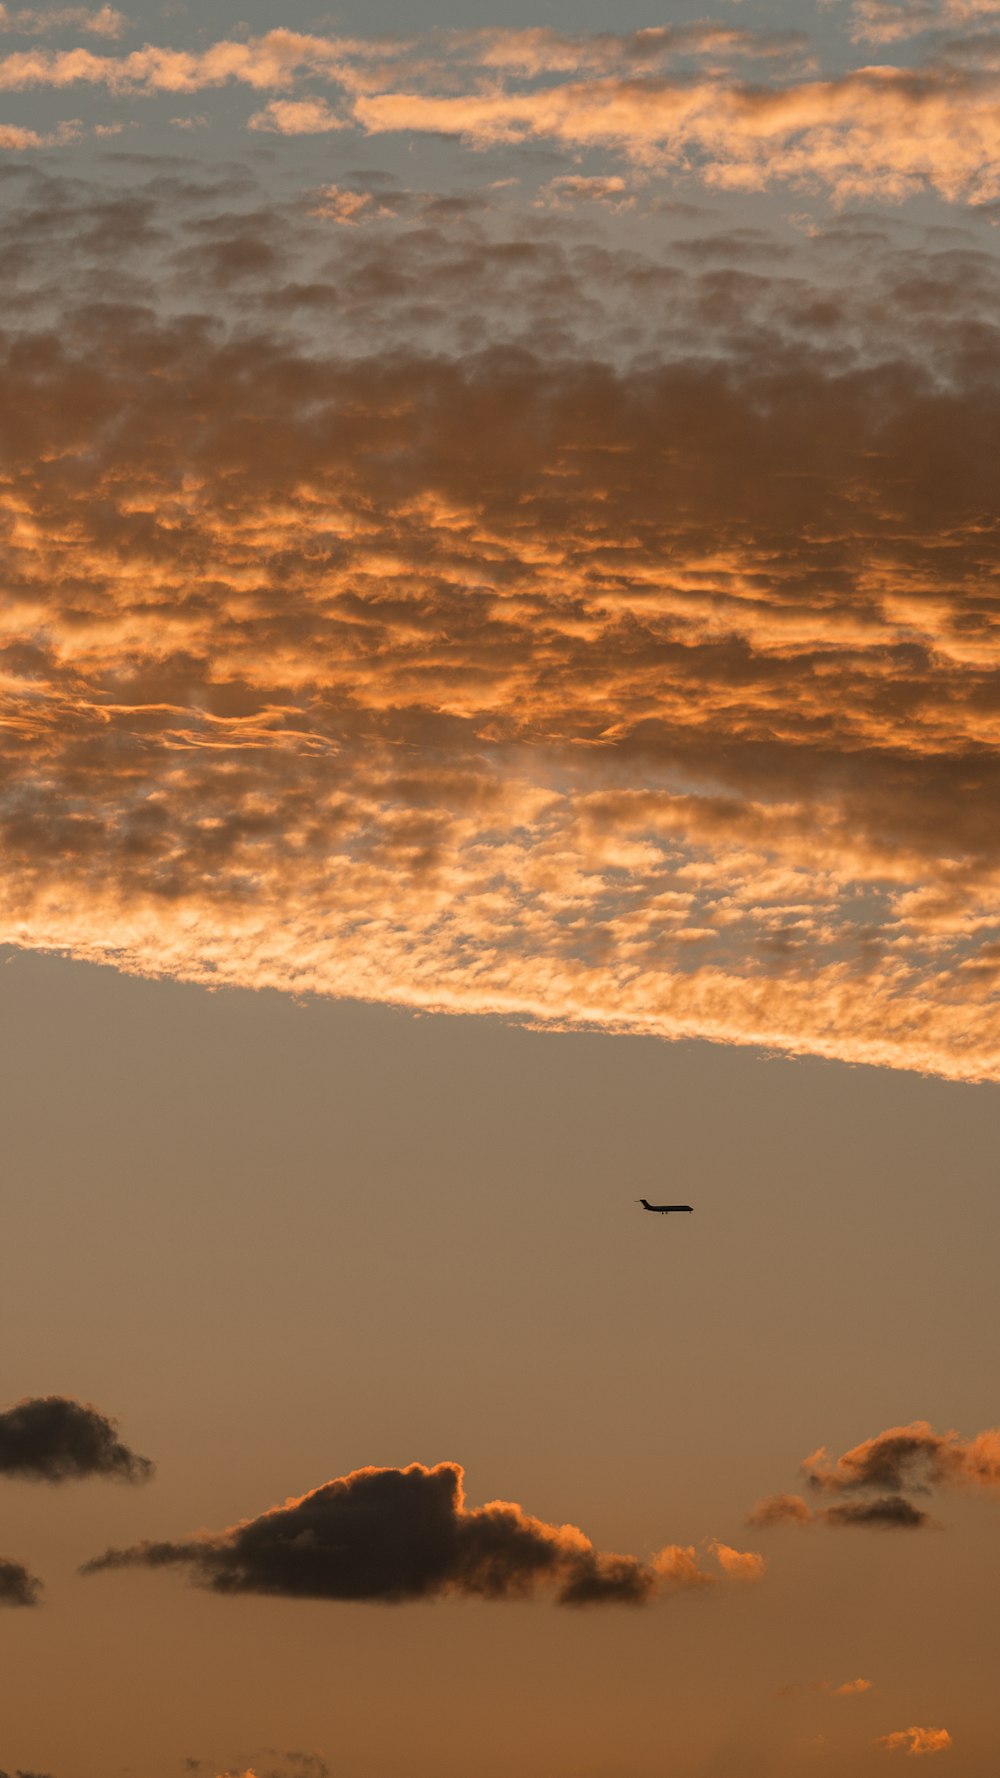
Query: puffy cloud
[[52, 1439], [916, 1741], [913, 1457], [393, 1535], [875, 1479], [851, 1688], [17, 1586], [742, 1565], [378, 625]]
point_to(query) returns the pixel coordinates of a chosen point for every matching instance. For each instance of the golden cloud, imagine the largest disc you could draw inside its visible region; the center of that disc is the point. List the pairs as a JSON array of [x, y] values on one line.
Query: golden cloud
[[916, 1741], [509, 676]]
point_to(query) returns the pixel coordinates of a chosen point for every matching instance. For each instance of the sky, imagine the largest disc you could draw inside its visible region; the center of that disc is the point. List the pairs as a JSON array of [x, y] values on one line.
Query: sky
[[498, 719]]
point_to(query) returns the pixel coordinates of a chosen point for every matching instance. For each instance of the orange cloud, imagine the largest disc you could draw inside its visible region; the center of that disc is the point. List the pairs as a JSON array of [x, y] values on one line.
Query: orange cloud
[[344, 658], [852, 1688], [916, 1741], [873, 131], [743, 1565]]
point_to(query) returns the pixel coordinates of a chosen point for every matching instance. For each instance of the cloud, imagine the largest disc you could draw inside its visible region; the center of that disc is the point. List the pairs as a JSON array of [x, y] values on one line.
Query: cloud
[[876, 1479], [779, 1509], [667, 100], [742, 1565], [17, 1586], [890, 1512], [887, 21], [269, 1764], [297, 117], [916, 1741], [852, 1688], [569, 188], [461, 614], [53, 1439], [29, 21], [396, 1535], [913, 1458]]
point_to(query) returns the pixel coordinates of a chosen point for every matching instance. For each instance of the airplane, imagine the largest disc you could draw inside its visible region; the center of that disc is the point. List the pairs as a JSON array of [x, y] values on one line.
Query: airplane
[[664, 1209]]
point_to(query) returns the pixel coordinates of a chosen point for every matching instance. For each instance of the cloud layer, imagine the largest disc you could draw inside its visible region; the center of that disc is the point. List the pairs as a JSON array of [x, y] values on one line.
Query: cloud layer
[[396, 1535], [451, 611], [671, 99], [53, 1439]]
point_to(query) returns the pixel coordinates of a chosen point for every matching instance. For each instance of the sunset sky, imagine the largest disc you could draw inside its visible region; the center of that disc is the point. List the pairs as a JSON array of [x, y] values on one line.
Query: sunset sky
[[500, 717]]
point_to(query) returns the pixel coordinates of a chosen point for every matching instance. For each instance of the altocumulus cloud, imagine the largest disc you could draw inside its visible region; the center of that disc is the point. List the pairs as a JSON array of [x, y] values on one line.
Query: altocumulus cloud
[[54, 1439], [445, 611], [393, 1535]]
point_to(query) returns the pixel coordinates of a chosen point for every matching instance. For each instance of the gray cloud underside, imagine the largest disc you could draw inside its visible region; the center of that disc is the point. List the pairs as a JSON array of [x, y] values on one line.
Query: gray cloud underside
[[394, 1535], [459, 611]]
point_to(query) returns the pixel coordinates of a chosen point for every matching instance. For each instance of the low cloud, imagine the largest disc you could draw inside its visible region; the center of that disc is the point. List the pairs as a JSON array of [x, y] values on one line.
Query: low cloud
[[53, 1439], [396, 1535], [912, 1458], [915, 1741], [874, 1482], [17, 1586]]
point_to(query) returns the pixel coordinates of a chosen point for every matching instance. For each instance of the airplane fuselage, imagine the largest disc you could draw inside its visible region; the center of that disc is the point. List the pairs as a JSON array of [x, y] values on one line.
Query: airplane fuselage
[[665, 1209]]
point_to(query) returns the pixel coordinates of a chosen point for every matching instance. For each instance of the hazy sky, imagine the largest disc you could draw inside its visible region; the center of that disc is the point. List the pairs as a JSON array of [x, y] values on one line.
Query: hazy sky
[[499, 718]]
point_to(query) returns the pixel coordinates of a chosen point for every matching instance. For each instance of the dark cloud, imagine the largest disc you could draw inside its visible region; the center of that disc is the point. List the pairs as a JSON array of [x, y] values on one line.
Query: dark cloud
[[392, 1535], [53, 1439], [17, 1586], [890, 1512], [779, 1509]]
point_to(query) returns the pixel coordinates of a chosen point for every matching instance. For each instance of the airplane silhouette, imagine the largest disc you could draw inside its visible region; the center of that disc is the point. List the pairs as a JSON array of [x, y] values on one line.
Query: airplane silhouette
[[664, 1209]]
